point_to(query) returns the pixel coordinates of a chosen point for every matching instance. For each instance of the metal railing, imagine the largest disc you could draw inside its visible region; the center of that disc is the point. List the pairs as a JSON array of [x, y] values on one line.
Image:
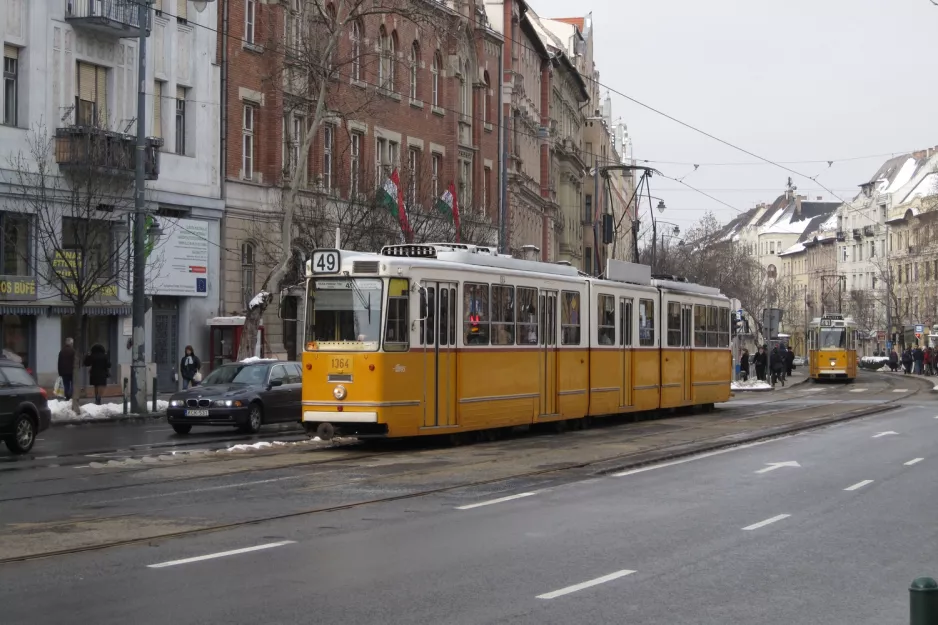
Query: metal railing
[[124, 12]]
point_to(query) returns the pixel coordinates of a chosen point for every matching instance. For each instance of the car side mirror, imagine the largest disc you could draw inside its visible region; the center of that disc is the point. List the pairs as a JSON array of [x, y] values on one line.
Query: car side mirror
[[274, 383]]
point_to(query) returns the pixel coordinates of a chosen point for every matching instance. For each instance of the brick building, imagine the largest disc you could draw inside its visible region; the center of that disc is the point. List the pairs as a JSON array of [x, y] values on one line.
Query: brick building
[[418, 95]]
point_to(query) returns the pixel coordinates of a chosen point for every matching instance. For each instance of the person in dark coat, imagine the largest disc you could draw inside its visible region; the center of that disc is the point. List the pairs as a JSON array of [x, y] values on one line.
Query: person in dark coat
[[99, 364], [760, 360], [67, 367], [789, 360], [744, 365], [907, 361], [189, 366], [777, 363], [893, 360]]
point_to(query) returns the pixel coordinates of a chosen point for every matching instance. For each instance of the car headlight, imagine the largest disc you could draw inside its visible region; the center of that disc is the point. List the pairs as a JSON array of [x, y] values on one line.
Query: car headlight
[[227, 403], [339, 392], [176, 403]]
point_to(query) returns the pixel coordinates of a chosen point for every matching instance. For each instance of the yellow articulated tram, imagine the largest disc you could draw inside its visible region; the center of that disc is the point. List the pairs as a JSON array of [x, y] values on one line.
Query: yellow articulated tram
[[832, 348], [445, 339]]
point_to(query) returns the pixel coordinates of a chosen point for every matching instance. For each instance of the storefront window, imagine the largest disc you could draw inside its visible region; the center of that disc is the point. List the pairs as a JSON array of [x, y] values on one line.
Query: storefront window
[[99, 329], [15, 334]]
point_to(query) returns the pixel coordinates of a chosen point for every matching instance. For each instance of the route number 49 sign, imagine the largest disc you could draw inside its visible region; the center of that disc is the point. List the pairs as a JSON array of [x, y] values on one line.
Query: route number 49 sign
[[326, 261]]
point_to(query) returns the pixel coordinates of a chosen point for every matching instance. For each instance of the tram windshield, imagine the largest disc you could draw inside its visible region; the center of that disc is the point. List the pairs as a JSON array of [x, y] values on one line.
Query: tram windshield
[[345, 313], [833, 338]]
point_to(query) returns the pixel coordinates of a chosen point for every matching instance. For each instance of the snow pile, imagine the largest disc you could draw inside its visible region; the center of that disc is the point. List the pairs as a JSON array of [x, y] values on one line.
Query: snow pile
[[266, 445], [62, 410], [750, 385], [259, 300], [251, 359], [874, 359]]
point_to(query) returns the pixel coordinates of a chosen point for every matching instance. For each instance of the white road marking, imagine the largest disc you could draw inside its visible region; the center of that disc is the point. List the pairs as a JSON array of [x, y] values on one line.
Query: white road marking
[[778, 465], [221, 554], [858, 390], [913, 461], [697, 457], [160, 430], [881, 434], [859, 485], [900, 390], [584, 585], [756, 526], [494, 501], [816, 390]]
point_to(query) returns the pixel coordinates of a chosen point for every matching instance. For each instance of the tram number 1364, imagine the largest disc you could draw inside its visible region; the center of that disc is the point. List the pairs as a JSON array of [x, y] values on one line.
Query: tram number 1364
[[340, 364], [325, 261]]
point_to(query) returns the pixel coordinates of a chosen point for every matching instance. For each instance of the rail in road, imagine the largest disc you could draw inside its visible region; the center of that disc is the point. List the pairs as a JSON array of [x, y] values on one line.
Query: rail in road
[[54, 514]]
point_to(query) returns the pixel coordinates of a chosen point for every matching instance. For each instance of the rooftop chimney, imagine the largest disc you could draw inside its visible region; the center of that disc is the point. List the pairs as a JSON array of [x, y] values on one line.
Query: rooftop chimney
[[530, 252]]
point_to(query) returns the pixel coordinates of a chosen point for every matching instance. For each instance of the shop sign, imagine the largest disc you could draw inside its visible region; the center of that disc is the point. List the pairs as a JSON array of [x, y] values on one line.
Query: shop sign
[[17, 288], [102, 292], [178, 263], [65, 264]]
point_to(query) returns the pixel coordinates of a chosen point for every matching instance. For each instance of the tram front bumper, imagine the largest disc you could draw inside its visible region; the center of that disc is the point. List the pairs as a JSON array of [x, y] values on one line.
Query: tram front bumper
[[834, 374], [357, 424]]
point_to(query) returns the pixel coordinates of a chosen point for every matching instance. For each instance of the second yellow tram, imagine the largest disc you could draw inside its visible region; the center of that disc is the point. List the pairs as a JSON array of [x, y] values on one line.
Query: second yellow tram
[[832, 348]]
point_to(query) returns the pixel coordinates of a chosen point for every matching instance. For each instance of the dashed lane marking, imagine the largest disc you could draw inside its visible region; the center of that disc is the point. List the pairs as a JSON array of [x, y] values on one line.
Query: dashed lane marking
[[859, 485], [756, 526], [495, 501], [913, 461], [221, 554], [584, 585], [858, 390]]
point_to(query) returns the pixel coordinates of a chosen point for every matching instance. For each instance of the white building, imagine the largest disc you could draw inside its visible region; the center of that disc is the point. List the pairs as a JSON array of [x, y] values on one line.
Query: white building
[[70, 72]]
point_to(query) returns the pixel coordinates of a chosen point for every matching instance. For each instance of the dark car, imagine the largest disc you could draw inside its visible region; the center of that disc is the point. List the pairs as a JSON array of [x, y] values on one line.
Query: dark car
[[242, 394], [24, 409]]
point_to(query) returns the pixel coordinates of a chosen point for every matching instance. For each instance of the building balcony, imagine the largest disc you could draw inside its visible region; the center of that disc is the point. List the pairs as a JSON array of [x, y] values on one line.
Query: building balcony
[[856, 234], [869, 231], [111, 18], [85, 149]]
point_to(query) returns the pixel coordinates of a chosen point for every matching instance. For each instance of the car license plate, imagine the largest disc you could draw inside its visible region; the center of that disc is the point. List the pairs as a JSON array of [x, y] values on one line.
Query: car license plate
[[196, 413]]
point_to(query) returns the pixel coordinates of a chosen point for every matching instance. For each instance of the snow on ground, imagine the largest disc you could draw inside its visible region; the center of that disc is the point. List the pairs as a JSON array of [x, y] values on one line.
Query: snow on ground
[[266, 445], [875, 359], [750, 385], [62, 410]]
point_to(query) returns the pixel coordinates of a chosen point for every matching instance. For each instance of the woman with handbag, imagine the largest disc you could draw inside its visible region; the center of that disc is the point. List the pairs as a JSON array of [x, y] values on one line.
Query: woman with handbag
[[190, 368]]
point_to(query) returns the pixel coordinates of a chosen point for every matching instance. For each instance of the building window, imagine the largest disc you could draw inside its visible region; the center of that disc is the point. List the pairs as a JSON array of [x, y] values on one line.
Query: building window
[[386, 62], [588, 209], [487, 99], [10, 84], [91, 101], [436, 164], [435, 79], [413, 163], [15, 250], [247, 148], [296, 141], [356, 51], [158, 108], [180, 120], [414, 63], [93, 240], [465, 92], [328, 135], [465, 185], [355, 164], [487, 190], [250, 17], [247, 273]]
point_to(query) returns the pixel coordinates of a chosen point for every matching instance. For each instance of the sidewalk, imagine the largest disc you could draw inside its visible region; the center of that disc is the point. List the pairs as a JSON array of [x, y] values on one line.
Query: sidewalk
[[110, 410]]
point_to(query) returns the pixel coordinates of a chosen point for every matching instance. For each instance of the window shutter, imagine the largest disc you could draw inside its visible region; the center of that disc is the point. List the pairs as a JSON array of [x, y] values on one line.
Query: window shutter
[[181, 8], [157, 109], [180, 93], [11, 52], [86, 81], [101, 94]]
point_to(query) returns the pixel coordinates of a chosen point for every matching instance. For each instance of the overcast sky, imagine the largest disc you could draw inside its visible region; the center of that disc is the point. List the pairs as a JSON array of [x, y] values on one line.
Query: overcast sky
[[802, 80]]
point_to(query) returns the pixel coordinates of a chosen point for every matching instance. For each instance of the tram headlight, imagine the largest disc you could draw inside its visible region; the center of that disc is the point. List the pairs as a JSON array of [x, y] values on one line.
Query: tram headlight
[[339, 392], [833, 362]]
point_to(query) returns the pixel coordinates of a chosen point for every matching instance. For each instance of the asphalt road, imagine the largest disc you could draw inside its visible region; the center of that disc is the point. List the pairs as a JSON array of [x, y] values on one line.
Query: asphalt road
[[834, 534]]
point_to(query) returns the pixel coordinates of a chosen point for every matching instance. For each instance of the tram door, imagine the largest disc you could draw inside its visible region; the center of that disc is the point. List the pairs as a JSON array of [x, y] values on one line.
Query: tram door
[[625, 343], [547, 333], [438, 336], [687, 337]]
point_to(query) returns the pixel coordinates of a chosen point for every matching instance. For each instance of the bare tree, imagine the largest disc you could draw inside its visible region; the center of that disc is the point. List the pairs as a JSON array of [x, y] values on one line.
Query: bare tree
[[321, 66], [73, 193]]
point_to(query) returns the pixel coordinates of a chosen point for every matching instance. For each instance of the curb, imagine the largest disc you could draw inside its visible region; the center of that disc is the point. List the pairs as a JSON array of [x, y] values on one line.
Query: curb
[[130, 418], [766, 390], [735, 440]]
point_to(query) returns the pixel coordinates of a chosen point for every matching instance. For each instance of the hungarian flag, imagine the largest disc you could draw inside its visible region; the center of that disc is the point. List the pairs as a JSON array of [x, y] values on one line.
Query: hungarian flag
[[391, 196], [448, 205]]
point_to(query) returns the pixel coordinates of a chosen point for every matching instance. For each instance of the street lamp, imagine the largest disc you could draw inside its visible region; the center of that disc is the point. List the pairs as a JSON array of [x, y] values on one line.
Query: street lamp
[[661, 206], [201, 4]]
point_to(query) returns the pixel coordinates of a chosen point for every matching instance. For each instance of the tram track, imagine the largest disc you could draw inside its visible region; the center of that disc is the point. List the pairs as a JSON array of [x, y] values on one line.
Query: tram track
[[621, 461]]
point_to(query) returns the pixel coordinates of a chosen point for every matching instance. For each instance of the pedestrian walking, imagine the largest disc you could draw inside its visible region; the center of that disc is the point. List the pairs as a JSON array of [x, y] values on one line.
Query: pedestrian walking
[[893, 360], [744, 365], [190, 368], [789, 360], [66, 368], [760, 360], [99, 364], [777, 364], [918, 356], [907, 361]]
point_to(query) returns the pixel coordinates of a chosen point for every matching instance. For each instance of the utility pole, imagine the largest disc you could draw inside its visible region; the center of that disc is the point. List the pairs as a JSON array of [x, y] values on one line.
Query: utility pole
[[138, 373]]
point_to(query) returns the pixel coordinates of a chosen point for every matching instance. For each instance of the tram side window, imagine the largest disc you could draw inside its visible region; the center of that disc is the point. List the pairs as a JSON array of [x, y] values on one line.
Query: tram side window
[[700, 325], [476, 307], [445, 320], [674, 324], [712, 334], [724, 327], [606, 320], [570, 319], [396, 331], [503, 315], [527, 316], [646, 322], [428, 308], [625, 329]]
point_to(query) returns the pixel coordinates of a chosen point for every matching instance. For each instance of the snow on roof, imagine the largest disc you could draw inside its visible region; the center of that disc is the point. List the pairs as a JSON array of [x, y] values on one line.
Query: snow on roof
[[794, 249], [830, 223], [926, 186], [902, 177], [785, 225]]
